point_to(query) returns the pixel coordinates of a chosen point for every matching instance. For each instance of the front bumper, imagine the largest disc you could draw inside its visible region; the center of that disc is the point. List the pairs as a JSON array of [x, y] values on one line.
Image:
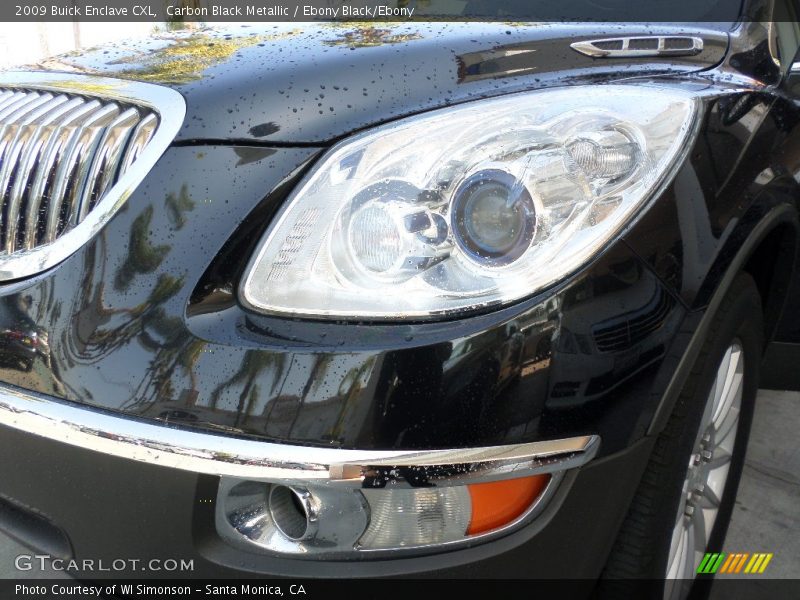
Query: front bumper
[[107, 507]]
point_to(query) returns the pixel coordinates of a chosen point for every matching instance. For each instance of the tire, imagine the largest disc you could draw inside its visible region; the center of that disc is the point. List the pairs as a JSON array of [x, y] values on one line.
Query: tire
[[645, 540]]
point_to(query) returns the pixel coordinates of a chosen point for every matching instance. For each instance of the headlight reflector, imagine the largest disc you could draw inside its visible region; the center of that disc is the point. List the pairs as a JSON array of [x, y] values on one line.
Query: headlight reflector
[[471, 206]]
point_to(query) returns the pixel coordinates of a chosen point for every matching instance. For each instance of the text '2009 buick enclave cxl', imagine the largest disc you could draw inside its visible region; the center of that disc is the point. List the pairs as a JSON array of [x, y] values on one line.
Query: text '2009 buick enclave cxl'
[[466, 299]]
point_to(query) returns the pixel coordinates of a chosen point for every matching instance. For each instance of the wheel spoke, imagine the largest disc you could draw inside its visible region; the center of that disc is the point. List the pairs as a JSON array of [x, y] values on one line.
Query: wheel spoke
[[713, 398], [675, 547], [709, 498], [727, 426], [731, 400], [721, 458], [677, 544], [687, 572], [700, 537], [721, 382], [730, 384]]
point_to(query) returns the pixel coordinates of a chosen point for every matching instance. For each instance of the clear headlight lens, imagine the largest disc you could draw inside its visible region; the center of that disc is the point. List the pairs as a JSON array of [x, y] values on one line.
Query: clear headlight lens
[[466, 207]]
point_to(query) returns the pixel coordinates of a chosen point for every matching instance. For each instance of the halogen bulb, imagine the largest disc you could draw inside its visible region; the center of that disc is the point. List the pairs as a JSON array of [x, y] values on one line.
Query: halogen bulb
[[606, 156]]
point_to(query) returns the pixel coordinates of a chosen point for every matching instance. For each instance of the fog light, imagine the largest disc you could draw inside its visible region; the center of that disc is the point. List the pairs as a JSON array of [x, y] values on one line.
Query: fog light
[[341, 521], [415, 517], [292, 512], [291, 520], [343, 504]]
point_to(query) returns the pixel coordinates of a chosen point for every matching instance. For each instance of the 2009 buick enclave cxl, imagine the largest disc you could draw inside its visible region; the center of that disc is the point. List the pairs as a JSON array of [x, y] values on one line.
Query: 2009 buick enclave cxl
[[474, 299]]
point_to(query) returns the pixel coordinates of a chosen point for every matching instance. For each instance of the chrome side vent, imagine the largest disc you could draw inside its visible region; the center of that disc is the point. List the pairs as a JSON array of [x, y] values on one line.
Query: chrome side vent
[[72, 148], [640, 47]]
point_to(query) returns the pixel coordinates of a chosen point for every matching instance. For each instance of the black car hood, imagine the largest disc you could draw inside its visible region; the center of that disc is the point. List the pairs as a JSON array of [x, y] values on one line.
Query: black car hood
[[315, 82]]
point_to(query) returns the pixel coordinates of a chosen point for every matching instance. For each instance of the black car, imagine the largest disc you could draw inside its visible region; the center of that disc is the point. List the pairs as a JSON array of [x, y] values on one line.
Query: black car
[[358, 300]]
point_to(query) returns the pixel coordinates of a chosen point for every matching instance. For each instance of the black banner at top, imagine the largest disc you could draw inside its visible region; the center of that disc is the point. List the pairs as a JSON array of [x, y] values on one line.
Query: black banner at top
[[159, 11]]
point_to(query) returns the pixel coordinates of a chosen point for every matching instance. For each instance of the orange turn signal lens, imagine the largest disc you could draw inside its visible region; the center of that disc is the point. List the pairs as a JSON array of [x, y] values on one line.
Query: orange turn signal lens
[[500, 502]]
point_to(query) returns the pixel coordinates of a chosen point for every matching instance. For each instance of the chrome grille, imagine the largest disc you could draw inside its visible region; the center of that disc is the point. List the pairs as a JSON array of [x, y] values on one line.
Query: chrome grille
[[60, 154], [72, 150]]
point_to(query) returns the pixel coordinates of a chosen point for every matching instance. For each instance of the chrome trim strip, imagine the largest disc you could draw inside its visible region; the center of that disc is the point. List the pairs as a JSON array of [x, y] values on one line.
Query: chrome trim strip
[[224, 455], [600, 48], [167, 103]]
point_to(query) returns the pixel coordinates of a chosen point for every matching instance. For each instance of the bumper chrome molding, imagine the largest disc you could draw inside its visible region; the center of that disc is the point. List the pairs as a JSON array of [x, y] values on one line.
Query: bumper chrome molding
[[225, 455]]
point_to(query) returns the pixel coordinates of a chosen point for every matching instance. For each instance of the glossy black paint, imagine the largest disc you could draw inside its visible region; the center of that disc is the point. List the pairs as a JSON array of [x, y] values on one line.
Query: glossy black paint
[[137, 326], [312, 83], [145, 319], [745, 162], [153, 327]]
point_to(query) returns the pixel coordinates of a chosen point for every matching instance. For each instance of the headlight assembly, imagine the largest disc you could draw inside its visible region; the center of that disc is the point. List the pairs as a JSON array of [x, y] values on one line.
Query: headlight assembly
[[467, 207]]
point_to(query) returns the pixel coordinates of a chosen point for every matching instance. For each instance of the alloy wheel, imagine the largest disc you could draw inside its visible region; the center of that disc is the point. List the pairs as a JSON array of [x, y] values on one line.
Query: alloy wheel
[[707, 474]]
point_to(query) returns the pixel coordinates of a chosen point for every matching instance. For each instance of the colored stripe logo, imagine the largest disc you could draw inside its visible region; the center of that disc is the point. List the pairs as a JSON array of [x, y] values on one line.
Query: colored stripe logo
[[736, 562]]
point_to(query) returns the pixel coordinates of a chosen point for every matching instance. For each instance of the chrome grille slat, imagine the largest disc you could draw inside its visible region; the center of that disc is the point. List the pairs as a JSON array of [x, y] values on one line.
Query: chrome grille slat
[[10, 171], [103, 167], [23, 109], [5, 98], [72, 150], [66, 187], [58, 144], [64, 150], [32, 153], [17, 100], [139, 139], [57, 138], [8, 122], [13, 137]]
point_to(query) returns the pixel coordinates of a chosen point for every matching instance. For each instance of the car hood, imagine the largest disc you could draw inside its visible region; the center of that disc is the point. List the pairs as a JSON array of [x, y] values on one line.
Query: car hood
[[315, 82]]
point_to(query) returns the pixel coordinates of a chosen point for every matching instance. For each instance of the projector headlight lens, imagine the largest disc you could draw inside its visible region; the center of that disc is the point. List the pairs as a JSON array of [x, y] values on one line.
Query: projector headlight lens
[[494, 217], [471, 206]]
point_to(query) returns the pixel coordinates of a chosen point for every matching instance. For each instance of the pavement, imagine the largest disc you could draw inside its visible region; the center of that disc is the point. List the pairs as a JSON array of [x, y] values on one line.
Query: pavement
[[767, 513]]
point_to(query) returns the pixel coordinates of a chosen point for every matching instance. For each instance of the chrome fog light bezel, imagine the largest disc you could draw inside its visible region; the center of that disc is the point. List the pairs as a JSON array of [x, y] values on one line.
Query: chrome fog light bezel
[[235, 529], [245, 517], [338, 511]]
